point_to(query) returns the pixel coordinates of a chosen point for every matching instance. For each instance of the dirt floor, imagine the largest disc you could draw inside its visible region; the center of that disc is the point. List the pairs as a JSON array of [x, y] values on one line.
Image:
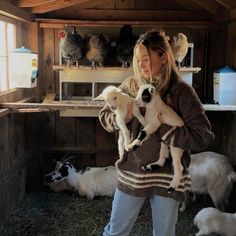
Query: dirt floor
[[49, 214]]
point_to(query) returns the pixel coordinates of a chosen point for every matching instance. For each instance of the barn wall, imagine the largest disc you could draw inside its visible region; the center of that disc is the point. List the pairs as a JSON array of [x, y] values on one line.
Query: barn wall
[[14, 155]]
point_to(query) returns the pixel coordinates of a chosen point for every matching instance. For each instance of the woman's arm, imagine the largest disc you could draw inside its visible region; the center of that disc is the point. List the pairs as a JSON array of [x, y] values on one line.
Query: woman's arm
[[196, 133]]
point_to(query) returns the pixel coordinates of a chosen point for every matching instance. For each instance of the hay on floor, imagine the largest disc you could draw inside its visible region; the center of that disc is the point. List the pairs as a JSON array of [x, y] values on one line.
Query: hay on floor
[[49, 214]]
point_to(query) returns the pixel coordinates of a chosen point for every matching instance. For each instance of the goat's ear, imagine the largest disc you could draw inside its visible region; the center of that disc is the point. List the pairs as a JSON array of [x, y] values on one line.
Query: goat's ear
[[99, 97], [151, 90]]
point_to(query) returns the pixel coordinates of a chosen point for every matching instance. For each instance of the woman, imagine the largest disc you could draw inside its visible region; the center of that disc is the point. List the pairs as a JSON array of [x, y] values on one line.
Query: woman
[[153, 62]]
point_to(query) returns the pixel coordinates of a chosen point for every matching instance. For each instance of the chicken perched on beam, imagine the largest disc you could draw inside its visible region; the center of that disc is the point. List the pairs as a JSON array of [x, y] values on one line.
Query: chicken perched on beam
[[179, 46], [72, 46], [97, 47], [125, 46]]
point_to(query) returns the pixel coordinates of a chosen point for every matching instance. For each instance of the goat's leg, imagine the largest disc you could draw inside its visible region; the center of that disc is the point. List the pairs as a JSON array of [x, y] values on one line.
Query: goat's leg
[[176, 154], [144, 134], [125, 132], [139, 116], [164, 152], [121, 145]]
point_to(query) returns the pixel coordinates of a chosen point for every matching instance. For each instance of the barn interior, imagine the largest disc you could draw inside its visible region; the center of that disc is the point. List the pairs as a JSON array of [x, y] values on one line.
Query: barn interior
[[55, 115]]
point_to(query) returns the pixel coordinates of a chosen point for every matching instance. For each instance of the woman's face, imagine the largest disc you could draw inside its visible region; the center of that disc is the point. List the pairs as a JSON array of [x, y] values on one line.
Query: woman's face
[[150, 65]]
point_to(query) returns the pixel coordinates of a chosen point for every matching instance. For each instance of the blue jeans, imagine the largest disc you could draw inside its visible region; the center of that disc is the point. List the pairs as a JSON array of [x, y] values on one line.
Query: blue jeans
[[125, 210]]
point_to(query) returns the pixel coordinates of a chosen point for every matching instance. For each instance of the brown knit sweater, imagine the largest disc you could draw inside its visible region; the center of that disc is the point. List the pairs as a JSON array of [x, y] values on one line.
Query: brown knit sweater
[[194, 136]]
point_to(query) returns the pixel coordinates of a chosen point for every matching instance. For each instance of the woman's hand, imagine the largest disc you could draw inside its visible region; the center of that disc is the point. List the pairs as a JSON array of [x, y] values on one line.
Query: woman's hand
[[129, 114]]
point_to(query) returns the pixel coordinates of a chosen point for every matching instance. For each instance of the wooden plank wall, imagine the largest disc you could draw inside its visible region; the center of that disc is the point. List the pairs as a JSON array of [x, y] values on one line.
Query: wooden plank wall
[[13, 156], [12, 178]]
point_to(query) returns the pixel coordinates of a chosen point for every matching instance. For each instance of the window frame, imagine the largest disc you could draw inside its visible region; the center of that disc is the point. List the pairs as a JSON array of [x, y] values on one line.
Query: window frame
[[8, 20]]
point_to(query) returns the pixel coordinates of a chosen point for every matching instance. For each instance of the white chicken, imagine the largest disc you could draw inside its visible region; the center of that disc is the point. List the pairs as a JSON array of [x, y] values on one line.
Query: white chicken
[[179, 46]]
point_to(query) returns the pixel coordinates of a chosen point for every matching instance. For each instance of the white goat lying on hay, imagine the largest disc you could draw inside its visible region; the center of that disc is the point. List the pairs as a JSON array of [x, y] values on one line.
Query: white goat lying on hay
[[148, 96], [91, 182], [212, 173], [118, 101], [210, 220]]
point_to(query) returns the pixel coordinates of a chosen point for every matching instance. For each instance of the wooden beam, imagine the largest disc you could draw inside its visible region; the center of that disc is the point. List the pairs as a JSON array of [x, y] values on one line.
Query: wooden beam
[[32, 3], [86, 150], [190, 5], [60, 24], [12, 11], [230, 4], [127, 15], [49, 98], [56, 5], [28, 99], [208, 5], [4, 112], [91, 4]]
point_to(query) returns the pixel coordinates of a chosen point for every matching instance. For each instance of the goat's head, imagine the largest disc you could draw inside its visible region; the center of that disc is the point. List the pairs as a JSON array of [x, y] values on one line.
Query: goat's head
[[111, 96], [57, 180], [145, 94]]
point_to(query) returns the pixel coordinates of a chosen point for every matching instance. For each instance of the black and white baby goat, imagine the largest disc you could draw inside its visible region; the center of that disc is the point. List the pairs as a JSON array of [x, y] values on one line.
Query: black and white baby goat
[[148, 97], [91, 182]]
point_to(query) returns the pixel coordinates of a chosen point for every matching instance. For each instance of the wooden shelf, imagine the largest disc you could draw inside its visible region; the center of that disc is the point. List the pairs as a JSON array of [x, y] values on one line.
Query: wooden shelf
[[89, 68], [190, 69], [109, 68], [216, 107]]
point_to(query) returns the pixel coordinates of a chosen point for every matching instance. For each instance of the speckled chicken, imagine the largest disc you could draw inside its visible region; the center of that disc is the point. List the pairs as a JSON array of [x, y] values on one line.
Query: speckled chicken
[[97, 47], [72, 46], [125, 46], [179, 46]]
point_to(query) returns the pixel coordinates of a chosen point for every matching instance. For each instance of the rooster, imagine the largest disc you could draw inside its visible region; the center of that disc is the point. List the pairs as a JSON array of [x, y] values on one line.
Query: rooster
[[97, 47], [179, 46], [72, 46], [125, 45]]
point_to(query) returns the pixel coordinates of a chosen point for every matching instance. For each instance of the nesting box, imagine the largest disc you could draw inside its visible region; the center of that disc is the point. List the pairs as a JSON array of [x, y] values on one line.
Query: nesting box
[[225, 86], [23, 65]]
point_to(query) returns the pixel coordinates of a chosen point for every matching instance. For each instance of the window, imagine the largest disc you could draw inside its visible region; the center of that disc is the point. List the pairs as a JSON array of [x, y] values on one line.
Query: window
[[7, 44]]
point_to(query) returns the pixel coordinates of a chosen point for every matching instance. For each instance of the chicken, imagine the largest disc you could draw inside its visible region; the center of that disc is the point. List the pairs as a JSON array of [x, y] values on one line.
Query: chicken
[[125, 46], [97, 47], [72, 46], [179, 46]]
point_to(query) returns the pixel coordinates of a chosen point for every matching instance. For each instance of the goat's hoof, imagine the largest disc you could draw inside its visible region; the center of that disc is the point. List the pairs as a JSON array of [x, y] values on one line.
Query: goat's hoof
[[155, 167], [135, 147], [146, 168], [170, 190]]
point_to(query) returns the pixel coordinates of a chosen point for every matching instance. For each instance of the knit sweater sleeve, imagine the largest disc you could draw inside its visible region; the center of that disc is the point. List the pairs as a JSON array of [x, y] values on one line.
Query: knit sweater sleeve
[[107, 119], [196, 133]]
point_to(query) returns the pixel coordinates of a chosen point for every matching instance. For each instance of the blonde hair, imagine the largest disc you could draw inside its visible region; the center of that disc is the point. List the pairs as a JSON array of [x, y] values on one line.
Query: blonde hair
[[158, 42]]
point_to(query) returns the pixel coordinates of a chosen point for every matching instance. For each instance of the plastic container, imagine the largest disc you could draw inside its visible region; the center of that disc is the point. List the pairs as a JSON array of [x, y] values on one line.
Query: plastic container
[[23, 67], [225, 86]]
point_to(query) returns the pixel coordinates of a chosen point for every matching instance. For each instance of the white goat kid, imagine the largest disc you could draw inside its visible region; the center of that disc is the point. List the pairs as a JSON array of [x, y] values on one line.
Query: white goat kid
[[148, 96], [212, 173], [91, 182], [118, 101], [211, 220]]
